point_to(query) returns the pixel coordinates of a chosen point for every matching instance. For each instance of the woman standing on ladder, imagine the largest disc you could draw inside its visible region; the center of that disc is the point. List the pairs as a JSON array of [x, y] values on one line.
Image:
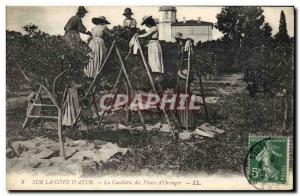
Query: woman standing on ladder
[[155, 59], [98, 54], [97, 46]]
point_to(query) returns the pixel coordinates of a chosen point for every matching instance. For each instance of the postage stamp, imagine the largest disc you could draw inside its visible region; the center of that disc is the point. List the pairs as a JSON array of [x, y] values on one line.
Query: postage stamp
[[268, 159]]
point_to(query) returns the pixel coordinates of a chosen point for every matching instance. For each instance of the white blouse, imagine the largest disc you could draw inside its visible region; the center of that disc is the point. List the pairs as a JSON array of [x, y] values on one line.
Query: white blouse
[[131, 23], [153, 33], [99, 31]]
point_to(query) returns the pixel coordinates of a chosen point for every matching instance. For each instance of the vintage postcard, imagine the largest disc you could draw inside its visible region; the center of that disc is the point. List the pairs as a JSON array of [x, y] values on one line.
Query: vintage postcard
[[150, 98]]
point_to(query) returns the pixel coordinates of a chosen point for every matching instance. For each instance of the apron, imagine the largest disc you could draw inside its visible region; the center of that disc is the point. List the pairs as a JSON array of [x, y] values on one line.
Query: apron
[[155, 58], [71, 107]]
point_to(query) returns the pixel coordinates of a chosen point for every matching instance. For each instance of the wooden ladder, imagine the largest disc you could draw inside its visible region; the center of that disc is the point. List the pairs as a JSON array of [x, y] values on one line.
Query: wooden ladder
[[36, 102], [198, 72]]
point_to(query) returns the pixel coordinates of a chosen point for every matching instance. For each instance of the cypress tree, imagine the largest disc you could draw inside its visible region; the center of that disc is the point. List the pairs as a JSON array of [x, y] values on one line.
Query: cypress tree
[[282, 35]]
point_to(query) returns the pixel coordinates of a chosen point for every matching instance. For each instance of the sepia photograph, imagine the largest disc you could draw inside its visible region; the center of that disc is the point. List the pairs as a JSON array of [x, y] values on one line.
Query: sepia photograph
[[150, 98]]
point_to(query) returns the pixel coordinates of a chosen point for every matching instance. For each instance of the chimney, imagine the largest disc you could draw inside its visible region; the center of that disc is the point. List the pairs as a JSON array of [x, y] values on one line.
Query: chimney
[[199, 19], [184, 21]]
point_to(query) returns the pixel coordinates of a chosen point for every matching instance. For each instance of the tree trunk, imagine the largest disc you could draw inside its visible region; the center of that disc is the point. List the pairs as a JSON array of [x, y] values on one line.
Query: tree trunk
[[59, 112], [128, 112], [291, 112], [59, 129], [285, 113]]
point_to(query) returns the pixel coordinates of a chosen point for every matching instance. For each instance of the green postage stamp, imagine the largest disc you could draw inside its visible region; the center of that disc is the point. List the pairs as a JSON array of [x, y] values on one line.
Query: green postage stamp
[[268, 159]]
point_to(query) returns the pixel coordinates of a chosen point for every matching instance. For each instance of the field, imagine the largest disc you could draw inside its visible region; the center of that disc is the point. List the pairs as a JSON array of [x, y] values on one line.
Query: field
[[158, 152]]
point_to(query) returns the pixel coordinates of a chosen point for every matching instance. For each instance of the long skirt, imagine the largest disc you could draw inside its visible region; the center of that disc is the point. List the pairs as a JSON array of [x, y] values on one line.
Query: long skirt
[[183, 116], [71, 107], [98, 55], [155, 58]]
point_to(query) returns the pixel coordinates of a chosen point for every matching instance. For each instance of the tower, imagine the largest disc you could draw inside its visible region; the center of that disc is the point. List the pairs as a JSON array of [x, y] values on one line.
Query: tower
[[167, 16]]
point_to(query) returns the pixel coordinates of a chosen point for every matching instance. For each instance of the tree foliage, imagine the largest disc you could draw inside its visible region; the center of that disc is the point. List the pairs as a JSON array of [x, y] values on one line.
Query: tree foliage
[[267, 32], [271, 68], [242, 27], [264, 61], [282, 35], [230, 22], [43, 57]]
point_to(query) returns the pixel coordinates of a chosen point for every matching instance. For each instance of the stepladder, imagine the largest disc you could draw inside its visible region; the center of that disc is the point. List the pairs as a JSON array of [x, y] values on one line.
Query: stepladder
[[40, 107], [123, 74], [123, 71], [156, 88], [188, 62]]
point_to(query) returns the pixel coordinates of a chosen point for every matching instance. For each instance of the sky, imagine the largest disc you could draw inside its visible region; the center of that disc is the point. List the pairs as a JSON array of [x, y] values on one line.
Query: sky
[[52, 19]]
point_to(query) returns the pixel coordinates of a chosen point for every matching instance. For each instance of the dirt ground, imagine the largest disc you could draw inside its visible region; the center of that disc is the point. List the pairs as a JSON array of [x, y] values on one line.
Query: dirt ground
[[151, 151]]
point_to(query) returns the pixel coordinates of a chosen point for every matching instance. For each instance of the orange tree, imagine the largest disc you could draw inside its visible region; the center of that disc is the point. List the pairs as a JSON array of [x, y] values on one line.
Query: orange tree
[[48, 62]]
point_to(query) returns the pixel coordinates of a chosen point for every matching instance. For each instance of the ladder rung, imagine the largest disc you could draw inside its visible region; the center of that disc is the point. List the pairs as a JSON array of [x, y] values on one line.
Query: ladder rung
[[44, 96], [50, 117], [46, 105], [45, 93]]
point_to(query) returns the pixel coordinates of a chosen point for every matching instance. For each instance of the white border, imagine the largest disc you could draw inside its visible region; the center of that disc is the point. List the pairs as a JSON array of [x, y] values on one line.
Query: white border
[[151, 2]]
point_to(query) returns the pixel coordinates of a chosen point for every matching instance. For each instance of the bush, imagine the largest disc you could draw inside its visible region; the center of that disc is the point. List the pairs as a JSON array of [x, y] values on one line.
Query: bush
[[42, 57], [270, 67], [14, 78], [133, 64], [217, 56], [248, 115]]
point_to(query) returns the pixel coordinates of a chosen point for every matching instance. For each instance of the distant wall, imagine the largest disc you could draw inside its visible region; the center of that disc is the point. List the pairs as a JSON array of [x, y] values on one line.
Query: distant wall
[[198, 33]]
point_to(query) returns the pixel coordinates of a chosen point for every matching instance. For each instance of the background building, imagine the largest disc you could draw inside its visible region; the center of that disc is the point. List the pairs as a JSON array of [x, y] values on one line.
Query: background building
[[169, 25]]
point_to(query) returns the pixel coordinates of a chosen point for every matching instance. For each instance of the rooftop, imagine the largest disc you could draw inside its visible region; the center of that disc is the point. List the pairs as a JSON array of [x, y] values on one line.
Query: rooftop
[[167, 8], [192, 23]]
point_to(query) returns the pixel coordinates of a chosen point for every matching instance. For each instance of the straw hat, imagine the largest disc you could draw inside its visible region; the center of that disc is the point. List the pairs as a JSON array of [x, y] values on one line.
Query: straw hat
[[178, 35], [182, 73], [145, 19], [127, 12], [82, 10], [100, 19]]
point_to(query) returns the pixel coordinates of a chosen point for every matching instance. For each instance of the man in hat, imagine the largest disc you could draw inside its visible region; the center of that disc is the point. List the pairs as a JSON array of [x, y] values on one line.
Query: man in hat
[[185, 43], [74, 26], [185, 116], [129, 22]]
